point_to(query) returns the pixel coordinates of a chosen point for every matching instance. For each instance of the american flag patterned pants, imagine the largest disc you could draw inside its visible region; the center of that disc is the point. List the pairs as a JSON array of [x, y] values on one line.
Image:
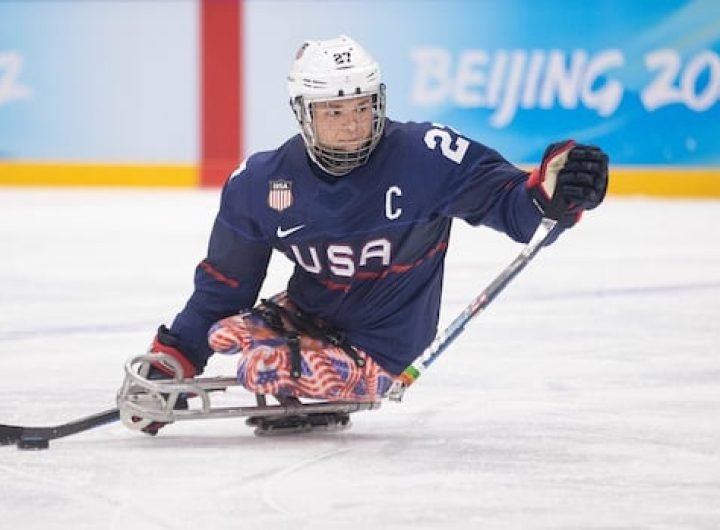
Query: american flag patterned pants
[[327, 372]]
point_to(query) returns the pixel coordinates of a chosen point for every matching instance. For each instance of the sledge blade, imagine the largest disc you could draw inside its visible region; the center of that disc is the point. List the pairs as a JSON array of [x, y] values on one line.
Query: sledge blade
[[287, 425], [10, 434]]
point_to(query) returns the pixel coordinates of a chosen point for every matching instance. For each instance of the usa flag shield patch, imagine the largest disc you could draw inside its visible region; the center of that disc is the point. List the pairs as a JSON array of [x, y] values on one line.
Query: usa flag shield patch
[[280, 196]]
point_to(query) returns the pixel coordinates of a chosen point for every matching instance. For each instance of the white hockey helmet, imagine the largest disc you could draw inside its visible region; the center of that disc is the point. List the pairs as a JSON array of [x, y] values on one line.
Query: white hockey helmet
[[331, 70]]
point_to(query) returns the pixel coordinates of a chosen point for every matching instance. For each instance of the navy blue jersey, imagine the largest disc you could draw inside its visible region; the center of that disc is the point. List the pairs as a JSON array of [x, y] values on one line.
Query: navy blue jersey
[[369, 247]]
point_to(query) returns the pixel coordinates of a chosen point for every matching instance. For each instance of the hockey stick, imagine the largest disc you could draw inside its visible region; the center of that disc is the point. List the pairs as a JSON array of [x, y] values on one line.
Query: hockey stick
[[37, 437], [444, 339]]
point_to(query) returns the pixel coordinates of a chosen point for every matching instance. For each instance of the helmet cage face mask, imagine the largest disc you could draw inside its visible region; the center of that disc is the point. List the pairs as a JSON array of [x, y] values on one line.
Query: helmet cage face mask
[[331, 71], [338, 161]]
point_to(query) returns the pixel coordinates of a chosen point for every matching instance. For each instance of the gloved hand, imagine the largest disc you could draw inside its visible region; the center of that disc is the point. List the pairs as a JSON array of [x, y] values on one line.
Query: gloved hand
[[165, 342], [572, 178]]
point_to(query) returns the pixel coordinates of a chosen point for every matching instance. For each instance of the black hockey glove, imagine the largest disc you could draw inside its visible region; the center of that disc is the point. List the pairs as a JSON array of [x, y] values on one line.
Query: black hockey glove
[[166, 343], [572, 178]]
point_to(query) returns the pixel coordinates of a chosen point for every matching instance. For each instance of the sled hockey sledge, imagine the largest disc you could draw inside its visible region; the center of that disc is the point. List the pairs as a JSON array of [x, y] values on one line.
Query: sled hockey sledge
[[155, 401]]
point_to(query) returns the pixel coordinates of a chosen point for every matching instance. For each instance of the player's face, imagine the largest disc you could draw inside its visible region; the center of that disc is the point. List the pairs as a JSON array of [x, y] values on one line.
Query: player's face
[[344, 124]]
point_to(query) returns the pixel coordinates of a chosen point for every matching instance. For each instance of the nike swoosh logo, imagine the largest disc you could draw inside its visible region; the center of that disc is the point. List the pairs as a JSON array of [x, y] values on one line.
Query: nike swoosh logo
[[284, 233]]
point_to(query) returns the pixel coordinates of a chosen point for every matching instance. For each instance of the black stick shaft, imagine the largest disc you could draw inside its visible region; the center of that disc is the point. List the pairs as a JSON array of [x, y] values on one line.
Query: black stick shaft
[[11, 434]]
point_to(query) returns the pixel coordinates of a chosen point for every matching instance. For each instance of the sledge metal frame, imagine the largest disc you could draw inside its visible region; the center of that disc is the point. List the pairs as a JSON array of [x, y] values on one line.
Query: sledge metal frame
[[141, 397]]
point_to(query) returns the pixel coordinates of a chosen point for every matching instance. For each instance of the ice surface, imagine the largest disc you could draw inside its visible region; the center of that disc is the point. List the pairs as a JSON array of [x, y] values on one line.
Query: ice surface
[[586, 397]]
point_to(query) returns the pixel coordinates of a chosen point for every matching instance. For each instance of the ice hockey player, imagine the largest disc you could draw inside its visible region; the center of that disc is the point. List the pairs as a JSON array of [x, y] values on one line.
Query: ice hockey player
[[363, 206]]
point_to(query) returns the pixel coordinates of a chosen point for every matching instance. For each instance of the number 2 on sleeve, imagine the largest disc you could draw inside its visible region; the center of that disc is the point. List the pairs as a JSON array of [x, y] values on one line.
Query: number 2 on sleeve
[[453, 148]]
